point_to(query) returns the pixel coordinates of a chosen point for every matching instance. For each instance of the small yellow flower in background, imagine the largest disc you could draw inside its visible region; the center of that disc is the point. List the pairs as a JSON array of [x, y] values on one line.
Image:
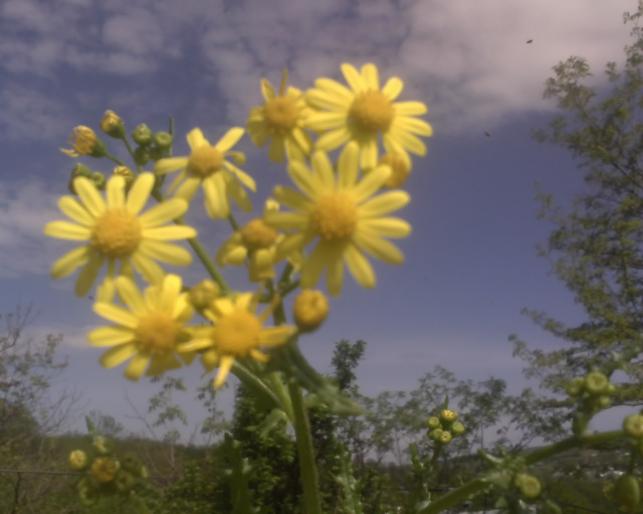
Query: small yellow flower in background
[[207, 166], [104, 469], [77, 460], [116, 232], [112, 124], [239, 332], [152, 330], [400, 165], [363, 113], [310, 309], [84, 142], [345, 217], [280, 121]]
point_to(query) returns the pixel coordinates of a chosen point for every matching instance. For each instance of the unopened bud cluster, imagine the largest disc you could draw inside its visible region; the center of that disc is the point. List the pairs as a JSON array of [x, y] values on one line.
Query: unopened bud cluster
[[444, 427], [151, 146], [105, 474], [593, 390]]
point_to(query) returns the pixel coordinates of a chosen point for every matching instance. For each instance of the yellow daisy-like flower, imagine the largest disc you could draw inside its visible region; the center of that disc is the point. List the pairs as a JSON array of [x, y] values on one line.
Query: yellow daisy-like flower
[[280, 120], [152, 330], [207, 166], [341, 213], [364, 112], [116, 232], [238, 332]]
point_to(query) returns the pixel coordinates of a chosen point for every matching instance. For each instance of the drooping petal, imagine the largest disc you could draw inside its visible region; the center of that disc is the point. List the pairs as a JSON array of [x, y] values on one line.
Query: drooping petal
[[414, 125], [136, 367], [314, 265], [216, 200], [69, 262], [368, 154], [185, 188], [335, 277], [408, 141], [88, 274], [242, 176], [277, 153], [225, 364], [267, 90]]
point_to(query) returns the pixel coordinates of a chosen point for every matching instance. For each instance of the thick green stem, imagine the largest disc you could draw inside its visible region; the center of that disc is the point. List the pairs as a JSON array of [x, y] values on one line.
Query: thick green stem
[[305, 451], [476, 485]]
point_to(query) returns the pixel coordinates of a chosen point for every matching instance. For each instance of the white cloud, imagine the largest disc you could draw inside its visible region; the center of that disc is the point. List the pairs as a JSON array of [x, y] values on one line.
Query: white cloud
[[25, 207]]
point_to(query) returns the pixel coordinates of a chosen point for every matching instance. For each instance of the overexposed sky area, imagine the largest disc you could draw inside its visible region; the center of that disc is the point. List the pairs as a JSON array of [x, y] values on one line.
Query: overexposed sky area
[[471, 260]]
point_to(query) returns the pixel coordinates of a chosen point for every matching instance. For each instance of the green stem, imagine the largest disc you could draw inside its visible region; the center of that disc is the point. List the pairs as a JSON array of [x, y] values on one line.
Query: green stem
[[130, 151], [476, 485], [254, 382], [305, 452]]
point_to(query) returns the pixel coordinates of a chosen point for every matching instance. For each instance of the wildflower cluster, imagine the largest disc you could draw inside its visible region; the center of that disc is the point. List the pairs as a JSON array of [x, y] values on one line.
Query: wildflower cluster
[[337, 213], [106, 474], [444, 427]]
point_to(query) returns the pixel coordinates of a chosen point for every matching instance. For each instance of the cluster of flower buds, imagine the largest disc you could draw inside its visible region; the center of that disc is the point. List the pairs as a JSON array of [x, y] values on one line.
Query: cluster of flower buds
[[444, 427], [103, 473], [592, 392], [150, 145]]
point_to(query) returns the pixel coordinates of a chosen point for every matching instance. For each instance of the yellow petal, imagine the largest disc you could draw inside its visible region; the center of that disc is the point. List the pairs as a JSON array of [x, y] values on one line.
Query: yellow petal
[[267, 90], [116, 314], [151, 271], [72, 209], [334, 88], [291, 198], [348, 166], [304, 179], [326, 100], [163, 213], [331, 140], [371, 76], [314, 265], [67, 230], [275, 336], [408, 141], [169, 233], [130, 295], [136, 367], [287, 221], [186, 188], [194, 345], [387, 227], [230, 139], [276, 152], [335, 277], [384, 203], [323, 170], [371, 182], [196, 139], [393, 88], [139, 193], [216, 200], [409, 108], [115, 192], [368, 154], [69, 262], [88, 274], [359, 267], [117, 355], [242, 176], [225, 364], [321, 121], [353, 77], [378, 247], [170, 291], [89, 195], [414, 125], [259, 356], [110, 336], [170, 164], [165, 252]]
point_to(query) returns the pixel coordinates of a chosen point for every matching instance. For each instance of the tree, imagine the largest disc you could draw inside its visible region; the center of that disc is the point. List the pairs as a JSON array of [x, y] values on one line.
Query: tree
[[596, 246]]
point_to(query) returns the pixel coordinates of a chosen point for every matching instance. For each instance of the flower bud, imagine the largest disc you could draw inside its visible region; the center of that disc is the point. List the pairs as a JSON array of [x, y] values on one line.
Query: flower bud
[[448, 415], [575, 386], [100, 443], [163, 140], [256, 234], [400, 169], [141, 155], [99, 180], [142, 134], [126, 173], [84, 141], [112, 124], [202, 294], [310, 309], [596, 383], [433, 422], [104, 469], [445, 437], [77, 460], [436, 434], [457, 428], [529, 485], [633, 425], [627, 492]]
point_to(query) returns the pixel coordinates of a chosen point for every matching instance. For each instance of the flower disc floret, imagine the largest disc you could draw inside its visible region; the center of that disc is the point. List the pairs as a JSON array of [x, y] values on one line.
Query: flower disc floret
[[204, 161], [117, 233], [334, 217], [257, 234], [371, 112], [281, 113]]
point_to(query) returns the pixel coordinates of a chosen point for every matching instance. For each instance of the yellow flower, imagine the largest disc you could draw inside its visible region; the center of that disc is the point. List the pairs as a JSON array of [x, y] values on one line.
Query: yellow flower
[[115, 232], [152, 330], [77, 459], [207, 165], [104, 469], [365, 111], [280, 119], [239, 332], [343, 215], [84, 142]]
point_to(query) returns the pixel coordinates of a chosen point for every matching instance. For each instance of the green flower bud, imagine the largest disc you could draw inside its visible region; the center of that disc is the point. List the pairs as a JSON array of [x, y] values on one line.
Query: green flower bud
[[141, 155], [448, 415], [575, 386], [529, 486], [433, 422], [596, 383], [457, 428], [633, 425], [627, 492], [163, 140], [435, 434], [99, 180], [142, 134], [603, 401], [445, 437]]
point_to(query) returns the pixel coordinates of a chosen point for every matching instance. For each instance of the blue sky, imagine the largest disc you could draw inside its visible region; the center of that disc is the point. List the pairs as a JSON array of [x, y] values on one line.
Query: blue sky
[[471, 260]]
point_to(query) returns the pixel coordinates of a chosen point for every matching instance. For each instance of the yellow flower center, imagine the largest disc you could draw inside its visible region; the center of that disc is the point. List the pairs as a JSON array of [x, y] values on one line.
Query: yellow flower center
[[400, 170], [281, 113], [371, 111], [334, 217], [117, 233], [237, 333], [256, 234], [204, 161], [157, 332]]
